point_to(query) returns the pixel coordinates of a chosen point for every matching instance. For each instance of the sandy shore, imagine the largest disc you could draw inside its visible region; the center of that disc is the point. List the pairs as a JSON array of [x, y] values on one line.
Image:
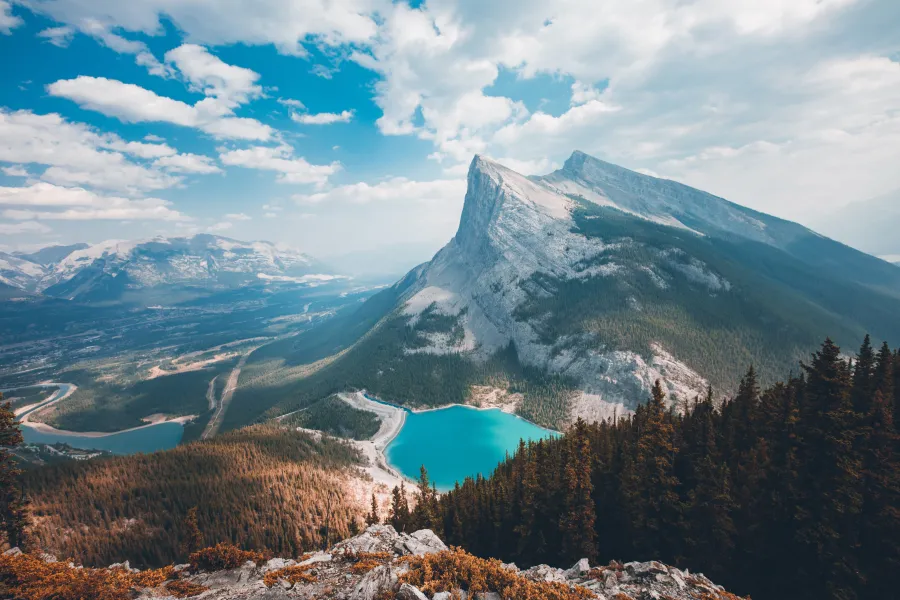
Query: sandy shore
[[392, 420], [44, 428]]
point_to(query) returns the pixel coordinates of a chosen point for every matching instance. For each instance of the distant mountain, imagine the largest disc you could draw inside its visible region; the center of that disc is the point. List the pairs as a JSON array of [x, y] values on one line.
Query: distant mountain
[[573, 292], [869, 225], [20, 273], [51, 254], [115, 270]]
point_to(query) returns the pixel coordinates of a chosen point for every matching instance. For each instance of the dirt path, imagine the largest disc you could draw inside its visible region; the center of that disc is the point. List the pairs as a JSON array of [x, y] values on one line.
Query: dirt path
[[211, 393]]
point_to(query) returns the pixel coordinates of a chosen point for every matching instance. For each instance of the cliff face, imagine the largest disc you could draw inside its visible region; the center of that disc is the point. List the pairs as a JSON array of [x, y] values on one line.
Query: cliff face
[[381, 564]]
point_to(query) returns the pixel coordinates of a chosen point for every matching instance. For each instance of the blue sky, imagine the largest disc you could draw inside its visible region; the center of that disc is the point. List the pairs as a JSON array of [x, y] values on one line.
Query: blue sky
[[345, 127]]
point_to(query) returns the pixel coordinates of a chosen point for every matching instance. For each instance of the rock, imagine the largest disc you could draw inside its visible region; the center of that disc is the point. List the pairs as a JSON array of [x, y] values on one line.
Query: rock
[[422, 542], [318, 557], [442, 596], [13, 552], [376, 580], [545, 573], [488, 596], [409, 592], [277, 563], [578, 569]]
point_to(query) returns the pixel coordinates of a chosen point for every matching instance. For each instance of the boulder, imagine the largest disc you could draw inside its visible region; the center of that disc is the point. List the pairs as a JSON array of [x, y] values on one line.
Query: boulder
[[371, 585], [578, 569], [420, 543], [13, 552], [409, 592]]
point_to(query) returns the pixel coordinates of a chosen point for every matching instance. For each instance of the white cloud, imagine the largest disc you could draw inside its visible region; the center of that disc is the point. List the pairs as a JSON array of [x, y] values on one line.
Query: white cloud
[[396, 190], [286, 25], [80, 204], [237, 217], [58, 36], [323, 118], [221, 226], [134, 104], [229, 84], [153, 138], [291, 103], [25, 227], [8, 21], [15, 171], [281, 160], [583, 93], [187, 163], [78, 154]]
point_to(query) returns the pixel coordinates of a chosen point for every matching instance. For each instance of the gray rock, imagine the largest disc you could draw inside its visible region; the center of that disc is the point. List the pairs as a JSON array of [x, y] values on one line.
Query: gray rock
[[373, 582], [545, 573], [578, 569], [488, 596], [13, 552], [422, 542], [442, 596], [277, 563], [409, 592]]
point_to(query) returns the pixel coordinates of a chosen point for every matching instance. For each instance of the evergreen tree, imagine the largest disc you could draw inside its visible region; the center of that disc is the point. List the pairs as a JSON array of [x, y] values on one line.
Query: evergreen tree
[[15, 507], [863, 377], [193, 539], [399, 514], [578, 518], [372, 518]]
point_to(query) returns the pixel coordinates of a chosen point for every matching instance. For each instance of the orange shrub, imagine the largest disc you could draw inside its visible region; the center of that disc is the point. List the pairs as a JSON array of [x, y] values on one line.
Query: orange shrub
[[28, 577], [223, 556], [294, 575], [185, 589], [456, 569]]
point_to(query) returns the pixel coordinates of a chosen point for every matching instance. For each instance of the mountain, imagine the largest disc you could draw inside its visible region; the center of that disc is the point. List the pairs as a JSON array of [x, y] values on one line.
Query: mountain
[[570, 294], [870, 225], [122, 270], [19, 273], [51, 254]]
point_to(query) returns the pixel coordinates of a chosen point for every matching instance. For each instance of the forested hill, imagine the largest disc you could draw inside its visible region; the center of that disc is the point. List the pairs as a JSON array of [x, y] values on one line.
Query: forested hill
[[261, 487], [789, 492]]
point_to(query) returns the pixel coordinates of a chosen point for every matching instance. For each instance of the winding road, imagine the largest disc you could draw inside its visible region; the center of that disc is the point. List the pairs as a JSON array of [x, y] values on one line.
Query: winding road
[[222, 405]]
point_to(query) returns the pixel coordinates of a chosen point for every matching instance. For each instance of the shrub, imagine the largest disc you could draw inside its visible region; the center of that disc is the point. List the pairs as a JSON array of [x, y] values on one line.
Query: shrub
[[456, 569], [185, 589], [293, 575], [223, 556], [363, 562], [27, 577]]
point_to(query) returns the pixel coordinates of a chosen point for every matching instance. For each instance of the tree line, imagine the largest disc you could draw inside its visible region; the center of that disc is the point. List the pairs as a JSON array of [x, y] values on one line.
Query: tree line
[[788, 492]]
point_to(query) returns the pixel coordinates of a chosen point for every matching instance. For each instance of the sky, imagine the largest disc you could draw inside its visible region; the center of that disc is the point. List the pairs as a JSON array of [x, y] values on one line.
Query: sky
[[345, 127]]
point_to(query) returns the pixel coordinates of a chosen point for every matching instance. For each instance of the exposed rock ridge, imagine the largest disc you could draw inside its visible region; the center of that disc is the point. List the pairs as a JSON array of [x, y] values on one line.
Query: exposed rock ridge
[[337, 575]]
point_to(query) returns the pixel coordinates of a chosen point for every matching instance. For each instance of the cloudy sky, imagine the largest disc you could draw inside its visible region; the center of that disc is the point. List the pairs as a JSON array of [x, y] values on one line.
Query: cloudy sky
[[340, 126]]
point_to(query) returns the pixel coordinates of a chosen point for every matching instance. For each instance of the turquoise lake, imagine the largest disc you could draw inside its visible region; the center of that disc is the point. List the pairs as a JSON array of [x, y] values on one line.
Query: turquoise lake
[[161, 436], [458, 442]]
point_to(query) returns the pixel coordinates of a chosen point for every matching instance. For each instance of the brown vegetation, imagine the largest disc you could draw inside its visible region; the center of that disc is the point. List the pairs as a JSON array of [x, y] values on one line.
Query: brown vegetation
[[185, 589], [261, 487], [293, 575], [456, 569], [223, 556]]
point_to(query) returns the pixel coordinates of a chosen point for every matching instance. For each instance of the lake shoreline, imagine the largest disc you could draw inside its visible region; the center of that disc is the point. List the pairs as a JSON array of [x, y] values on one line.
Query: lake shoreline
[[395, 415]]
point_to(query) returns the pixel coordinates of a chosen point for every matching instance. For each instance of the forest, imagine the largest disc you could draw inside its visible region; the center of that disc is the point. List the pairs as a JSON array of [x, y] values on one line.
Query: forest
[[788, 492], [262, 487]]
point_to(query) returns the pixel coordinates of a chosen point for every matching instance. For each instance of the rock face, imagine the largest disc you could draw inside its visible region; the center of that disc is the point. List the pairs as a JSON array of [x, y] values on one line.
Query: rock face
[[371, 566]]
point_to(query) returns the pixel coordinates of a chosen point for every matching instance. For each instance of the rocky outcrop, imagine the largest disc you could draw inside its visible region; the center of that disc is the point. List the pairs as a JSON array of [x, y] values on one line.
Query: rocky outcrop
[[376, 565]]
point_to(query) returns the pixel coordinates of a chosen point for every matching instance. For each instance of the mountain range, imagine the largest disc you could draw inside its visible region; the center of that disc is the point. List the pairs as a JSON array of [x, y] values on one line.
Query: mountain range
[[110, 271], [573, 292], [870, 225]]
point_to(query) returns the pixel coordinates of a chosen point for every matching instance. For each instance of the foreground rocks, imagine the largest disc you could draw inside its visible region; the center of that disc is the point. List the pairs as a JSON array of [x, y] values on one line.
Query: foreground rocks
[[381, 564]]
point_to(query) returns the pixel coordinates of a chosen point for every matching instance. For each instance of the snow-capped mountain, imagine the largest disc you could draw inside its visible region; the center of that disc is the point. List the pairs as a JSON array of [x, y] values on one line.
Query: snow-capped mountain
[[613, 279], [19, 273], [106, 270]]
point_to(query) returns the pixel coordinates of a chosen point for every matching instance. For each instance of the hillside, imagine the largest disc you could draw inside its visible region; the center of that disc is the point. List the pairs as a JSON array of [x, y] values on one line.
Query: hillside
[[379, 564], [262, 488], [580, 289], [870, 225]]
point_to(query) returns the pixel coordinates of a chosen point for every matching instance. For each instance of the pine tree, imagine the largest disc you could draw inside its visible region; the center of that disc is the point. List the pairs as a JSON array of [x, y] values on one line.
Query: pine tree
[[372, 518], [399, 514], [578, 518], [863, 377], [193, 539], [15, 507], [832, 469]]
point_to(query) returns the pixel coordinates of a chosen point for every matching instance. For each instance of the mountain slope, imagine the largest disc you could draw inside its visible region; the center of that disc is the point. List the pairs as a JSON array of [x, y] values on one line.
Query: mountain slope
[[51, 254], [110, 270], [870, 225], [576, 291], [20, 273]]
